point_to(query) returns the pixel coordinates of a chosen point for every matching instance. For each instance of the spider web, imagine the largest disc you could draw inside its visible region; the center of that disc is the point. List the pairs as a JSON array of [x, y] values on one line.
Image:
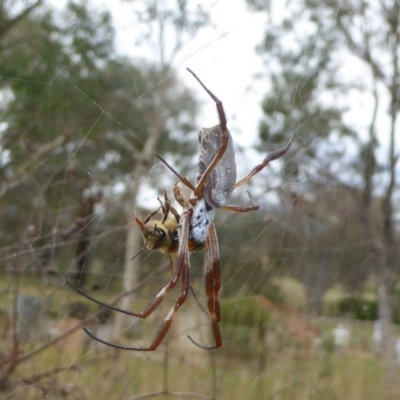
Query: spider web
[[256, 283]]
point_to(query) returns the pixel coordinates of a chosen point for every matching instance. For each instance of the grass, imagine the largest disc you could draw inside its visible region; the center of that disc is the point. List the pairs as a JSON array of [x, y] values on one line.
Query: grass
[[247, 370], [289, 374], [340, 376]]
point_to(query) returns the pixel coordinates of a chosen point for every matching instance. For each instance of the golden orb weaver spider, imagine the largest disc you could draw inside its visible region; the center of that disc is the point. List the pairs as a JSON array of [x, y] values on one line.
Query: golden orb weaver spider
[[194, 228]]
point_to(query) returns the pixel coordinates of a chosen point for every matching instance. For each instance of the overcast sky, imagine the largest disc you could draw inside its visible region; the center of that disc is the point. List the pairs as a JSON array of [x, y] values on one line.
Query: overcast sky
[[223, 56]]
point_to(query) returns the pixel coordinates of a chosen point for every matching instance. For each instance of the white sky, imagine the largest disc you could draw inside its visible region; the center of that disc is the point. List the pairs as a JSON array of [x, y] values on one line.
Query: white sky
[[223, 56]]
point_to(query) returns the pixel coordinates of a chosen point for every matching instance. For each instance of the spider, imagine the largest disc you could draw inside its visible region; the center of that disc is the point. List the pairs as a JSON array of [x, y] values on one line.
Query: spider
[[194, 228]]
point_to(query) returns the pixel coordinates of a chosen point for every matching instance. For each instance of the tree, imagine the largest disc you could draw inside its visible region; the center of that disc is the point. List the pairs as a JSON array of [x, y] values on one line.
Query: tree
[[76, 121], [41, 57], [62, 67], [367, 32]]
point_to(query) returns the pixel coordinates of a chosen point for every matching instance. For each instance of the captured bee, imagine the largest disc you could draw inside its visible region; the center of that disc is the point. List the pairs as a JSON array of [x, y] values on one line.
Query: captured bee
[[162, 234]]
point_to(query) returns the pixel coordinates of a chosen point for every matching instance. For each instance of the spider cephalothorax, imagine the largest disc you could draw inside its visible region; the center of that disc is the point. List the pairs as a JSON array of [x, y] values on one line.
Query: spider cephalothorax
[[216, 180]]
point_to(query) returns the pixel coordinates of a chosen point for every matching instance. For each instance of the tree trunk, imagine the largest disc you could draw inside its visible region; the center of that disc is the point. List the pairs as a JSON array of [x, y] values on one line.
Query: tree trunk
[[385, 316], [133, 236]]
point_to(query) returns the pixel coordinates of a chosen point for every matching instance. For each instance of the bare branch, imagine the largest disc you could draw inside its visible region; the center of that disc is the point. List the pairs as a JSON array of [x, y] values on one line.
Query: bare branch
[[21, 173], [8, 25]]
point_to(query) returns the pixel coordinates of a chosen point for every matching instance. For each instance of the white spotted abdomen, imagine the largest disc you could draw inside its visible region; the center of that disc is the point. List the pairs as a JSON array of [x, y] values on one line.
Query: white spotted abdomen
[[202, 217]]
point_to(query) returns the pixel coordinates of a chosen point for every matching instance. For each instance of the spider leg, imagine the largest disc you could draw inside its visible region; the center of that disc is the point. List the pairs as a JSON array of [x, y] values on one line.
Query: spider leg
[[143, 248], [167, 323], [212, 95], [198, 301], [214, 255], [167, 208], [164, 206], [182, 269], [143, 314], [224, 142], [153, 305], [140, 223], [270, 157], [254, 207], [213, 284], [100, 303], [174, 213], [180, 197], [181, 178], [241, 209]]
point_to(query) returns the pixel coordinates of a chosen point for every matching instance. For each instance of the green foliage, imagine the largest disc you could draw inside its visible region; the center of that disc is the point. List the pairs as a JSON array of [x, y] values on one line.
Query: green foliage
[[362, 309], [76, 118], [244, 320], [366, 309], [292, 103], [156, 19], [103, 373], [244, 311], [396, 305]]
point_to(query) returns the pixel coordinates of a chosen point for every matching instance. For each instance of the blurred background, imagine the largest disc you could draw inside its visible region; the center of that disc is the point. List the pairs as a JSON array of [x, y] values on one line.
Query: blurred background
[[90, 91]]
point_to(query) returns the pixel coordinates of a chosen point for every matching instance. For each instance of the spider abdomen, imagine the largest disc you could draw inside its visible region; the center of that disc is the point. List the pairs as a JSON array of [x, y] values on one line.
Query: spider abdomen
[[202, 217], [219, 184]]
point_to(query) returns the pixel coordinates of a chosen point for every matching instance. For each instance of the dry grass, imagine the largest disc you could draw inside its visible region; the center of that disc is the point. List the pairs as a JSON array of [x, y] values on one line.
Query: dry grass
[[286, 370], [125, 375]]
